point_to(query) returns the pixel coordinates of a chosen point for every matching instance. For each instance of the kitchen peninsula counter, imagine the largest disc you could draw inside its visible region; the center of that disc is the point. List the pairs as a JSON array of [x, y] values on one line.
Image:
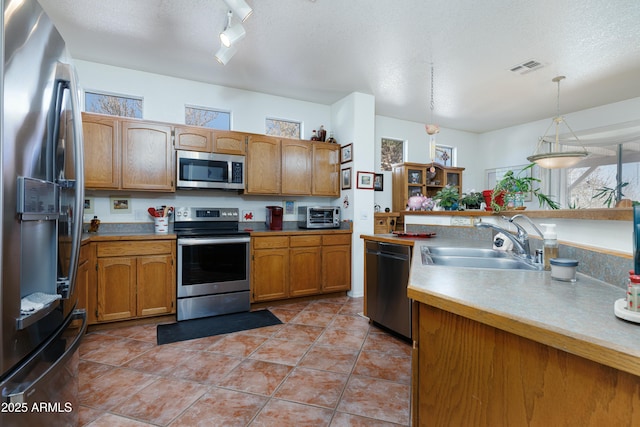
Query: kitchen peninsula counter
[[514, 347]]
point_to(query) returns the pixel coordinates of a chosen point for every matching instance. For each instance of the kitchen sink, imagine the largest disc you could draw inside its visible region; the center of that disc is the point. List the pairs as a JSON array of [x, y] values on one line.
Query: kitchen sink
[[466, 252], [474, 258]]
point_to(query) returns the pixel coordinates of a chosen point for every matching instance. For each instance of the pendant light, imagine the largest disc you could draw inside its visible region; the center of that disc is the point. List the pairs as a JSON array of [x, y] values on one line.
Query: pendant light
[[432, 129], [555, 158]]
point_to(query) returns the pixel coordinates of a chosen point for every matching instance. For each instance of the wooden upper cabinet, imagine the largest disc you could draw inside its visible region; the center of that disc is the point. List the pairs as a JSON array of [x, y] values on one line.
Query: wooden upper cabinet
[[229, 142], [147, 156], [192, 138], [326, 169], [101, 151], [296, 167], [263, 165]]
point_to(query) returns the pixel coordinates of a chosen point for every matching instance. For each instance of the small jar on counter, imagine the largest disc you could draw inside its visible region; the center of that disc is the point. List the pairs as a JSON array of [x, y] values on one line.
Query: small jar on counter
[[563, 269], [94, 225]]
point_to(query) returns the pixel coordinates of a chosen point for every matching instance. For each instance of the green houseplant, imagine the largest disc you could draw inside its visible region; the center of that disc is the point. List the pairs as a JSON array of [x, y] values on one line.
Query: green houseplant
[[513, 186], [448, 197], [472, 199]]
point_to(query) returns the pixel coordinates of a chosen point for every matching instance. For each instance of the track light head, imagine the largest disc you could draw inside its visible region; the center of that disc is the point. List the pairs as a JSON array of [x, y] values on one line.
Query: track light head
[[224, 54], [232, 32]]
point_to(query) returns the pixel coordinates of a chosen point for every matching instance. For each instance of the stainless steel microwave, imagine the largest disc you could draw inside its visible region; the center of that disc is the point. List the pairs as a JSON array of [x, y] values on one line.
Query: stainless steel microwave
[[318, 217], [209, 170]]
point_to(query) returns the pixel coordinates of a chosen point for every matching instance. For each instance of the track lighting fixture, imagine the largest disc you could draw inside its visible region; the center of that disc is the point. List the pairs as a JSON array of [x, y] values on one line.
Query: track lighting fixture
[[224, 54], [232, 33], [240, 8]]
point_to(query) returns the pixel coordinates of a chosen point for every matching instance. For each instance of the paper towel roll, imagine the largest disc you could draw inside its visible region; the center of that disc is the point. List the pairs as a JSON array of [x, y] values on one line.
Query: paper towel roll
[[502, 243]]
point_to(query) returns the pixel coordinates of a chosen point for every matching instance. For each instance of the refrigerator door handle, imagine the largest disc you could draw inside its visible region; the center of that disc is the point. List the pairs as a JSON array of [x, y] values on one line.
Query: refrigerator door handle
[[23, 391], [67, 73]]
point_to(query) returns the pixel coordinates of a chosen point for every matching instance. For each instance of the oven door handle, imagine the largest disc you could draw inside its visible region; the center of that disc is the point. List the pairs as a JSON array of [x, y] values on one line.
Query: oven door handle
[[211, 241]]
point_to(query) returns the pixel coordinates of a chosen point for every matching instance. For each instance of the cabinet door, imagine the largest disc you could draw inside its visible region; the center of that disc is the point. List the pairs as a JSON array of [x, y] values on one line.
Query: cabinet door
[[304, 271], [296, 167], [326, 169], [263, 165], [336, 268], [229, 142], [101, 151], [192, 138], [270, 274], [156, 285], [116, 288], [147, 156], [83, 280]]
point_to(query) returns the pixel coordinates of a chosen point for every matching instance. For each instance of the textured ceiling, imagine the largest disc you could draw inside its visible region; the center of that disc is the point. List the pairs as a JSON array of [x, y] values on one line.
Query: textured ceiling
[[322, 50]]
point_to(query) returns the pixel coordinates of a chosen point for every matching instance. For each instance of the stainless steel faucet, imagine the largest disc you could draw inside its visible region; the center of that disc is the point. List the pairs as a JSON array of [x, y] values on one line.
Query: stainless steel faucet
[[521, 240]]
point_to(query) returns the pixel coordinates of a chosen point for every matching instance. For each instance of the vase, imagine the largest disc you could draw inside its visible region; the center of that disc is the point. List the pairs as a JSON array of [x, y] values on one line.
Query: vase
[[487, 194]]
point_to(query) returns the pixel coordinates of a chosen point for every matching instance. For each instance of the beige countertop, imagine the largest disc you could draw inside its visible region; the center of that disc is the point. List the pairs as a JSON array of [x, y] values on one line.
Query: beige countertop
[[574, 317]]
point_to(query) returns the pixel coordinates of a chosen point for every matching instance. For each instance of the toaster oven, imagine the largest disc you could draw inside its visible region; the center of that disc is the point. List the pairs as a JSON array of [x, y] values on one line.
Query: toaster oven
[[318, 217]]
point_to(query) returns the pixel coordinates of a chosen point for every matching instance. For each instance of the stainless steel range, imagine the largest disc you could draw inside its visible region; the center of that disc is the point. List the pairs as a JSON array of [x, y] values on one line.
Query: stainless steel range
[[213, 262]]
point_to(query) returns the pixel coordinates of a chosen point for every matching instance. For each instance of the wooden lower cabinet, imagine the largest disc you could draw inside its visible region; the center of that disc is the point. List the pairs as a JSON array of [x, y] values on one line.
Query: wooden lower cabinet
[[135, 279], [466, 373], [85, 282], [336, 262], [305, 257], [299, 265]]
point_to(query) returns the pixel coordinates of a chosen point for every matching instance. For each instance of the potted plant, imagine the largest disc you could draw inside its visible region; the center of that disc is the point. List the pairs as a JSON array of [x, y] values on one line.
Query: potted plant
[[472, 199], [448, 197], [513, 187]]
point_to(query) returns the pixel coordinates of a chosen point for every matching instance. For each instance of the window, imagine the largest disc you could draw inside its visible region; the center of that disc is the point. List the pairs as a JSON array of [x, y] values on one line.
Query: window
[[610, 169], [444, 155], [391, 151], [206, 117], [284, 128], [115, 105]]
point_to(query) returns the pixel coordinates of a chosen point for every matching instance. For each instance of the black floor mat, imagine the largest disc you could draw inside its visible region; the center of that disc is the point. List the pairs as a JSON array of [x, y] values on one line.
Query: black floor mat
[[215, 325]]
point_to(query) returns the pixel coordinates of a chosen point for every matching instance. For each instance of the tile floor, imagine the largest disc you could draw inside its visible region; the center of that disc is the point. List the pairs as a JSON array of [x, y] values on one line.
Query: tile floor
[[324, 366]]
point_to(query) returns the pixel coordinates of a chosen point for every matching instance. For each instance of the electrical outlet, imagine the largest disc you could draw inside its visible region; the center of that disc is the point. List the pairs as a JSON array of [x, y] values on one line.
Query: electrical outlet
[[463, 221]]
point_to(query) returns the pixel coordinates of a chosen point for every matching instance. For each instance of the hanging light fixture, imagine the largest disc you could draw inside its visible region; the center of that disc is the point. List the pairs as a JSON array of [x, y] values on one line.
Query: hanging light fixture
[[432, 129], [240, 8], [232, 33], [555, 158]]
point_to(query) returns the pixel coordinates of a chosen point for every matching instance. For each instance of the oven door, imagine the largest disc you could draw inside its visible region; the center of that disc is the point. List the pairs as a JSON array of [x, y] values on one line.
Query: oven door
[[212, 265]]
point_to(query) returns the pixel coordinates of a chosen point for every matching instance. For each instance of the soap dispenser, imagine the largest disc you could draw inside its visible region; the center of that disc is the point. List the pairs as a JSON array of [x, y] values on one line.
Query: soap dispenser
[[550, 244]]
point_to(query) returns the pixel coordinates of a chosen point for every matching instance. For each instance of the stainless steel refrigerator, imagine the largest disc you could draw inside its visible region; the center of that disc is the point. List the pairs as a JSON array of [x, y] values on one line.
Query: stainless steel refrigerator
[[42, 194]]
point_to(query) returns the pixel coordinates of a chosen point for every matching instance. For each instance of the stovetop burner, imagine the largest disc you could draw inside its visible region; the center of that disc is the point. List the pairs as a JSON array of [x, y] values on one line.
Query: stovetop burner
[[207, 222]]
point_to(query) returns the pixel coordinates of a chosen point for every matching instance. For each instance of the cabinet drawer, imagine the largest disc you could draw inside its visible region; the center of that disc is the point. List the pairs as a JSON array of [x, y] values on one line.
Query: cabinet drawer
[[271, 242], [336, 239], [129, 248], [311, 240]]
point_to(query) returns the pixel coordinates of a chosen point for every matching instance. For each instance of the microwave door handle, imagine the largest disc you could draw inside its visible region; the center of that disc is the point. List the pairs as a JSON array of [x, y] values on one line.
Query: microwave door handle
[[66, 73]]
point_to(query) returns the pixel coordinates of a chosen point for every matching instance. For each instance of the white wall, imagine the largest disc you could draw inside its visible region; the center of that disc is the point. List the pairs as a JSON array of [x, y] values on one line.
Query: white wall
[[417, 150], [354, 116]]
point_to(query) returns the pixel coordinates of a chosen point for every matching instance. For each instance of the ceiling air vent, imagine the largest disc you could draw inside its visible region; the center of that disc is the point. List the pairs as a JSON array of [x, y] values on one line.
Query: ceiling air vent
[[526, 67]]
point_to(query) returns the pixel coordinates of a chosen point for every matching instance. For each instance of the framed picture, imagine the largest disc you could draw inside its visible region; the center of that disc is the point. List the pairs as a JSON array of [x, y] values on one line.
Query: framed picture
[[289, 207], [346, 153], [365, 180], [89, 205], [346, 179], [378, 182], [120, 204]]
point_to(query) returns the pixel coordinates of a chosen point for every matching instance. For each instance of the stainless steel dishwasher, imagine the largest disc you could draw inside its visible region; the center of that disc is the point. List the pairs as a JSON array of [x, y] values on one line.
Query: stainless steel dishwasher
[[387, 275]]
